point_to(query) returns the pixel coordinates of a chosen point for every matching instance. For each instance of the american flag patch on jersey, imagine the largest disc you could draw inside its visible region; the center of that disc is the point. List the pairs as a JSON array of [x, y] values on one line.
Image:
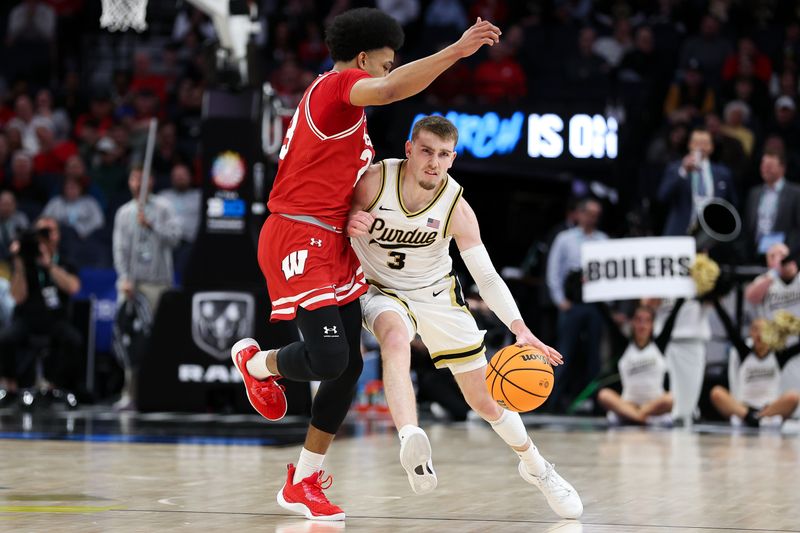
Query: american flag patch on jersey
[[433, 223]]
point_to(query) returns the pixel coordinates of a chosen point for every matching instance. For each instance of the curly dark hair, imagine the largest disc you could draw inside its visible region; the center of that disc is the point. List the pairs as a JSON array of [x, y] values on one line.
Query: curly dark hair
[[361, 30]]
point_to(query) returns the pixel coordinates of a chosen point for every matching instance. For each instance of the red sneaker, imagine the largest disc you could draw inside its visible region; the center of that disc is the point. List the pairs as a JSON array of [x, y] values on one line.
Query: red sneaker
[[265, 395], [307, 498]]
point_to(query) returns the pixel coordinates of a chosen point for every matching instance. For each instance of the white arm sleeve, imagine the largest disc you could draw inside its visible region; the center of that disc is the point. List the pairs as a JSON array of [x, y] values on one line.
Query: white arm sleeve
[[491, 286]]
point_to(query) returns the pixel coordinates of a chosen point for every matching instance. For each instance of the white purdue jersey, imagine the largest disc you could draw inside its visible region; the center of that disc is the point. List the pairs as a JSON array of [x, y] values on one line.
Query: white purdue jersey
[[642, 372], [781, 295], [406, 250]]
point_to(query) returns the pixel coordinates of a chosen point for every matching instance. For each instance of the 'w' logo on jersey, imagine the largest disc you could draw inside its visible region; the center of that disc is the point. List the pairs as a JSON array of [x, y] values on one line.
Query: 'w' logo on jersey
[[294, 263]]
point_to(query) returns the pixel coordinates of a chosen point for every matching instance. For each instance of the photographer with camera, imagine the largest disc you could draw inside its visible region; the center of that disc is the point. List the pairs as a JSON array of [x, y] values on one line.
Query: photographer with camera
[[42, 284]]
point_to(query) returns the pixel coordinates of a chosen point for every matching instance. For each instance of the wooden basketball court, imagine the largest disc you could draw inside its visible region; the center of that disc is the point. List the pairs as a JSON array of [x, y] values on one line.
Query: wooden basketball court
[[643, 481]]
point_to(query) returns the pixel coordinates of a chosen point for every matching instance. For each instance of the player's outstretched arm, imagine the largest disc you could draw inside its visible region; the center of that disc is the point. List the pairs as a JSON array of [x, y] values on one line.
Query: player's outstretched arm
[[359, 221], [412, 78], [494, 291]]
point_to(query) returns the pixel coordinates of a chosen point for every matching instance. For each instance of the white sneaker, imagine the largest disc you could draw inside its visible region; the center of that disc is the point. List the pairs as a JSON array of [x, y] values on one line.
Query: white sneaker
[[561, 496], [736, 421], [415, 456], [770, 422], [659, 421]]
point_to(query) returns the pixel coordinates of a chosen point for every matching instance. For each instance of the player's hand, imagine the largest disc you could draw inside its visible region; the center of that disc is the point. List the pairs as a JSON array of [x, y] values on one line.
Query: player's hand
[[481, 33], [526, 338], [359, 223]]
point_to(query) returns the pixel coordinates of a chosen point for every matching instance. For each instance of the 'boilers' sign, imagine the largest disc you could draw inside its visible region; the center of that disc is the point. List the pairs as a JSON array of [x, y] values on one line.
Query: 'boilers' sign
[[621, 269]]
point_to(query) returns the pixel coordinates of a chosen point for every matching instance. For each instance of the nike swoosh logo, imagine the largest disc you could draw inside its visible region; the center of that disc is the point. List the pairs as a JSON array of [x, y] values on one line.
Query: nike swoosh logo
[[435, 294], [381, 208]]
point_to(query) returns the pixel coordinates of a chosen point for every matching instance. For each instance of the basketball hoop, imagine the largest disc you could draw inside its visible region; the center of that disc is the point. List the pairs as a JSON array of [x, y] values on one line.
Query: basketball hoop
[[121, 15]]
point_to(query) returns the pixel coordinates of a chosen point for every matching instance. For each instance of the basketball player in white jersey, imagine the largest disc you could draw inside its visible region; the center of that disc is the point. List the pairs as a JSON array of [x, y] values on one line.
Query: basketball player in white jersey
[[755, 379], [642, 369], [404, 215]]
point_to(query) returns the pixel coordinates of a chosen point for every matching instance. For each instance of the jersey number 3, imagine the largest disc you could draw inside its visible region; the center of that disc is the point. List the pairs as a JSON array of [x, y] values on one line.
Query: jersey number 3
[[398, 260]]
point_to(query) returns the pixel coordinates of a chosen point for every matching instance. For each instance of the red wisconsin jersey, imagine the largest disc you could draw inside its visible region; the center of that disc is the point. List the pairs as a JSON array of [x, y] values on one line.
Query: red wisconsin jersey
[[325, 152]]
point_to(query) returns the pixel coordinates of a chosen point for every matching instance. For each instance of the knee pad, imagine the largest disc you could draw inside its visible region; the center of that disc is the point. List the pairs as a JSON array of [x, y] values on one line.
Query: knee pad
[[328, 360]]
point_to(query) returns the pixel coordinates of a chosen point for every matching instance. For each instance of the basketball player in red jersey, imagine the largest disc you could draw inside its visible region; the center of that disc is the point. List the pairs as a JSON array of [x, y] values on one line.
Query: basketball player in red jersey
[[312, 274]]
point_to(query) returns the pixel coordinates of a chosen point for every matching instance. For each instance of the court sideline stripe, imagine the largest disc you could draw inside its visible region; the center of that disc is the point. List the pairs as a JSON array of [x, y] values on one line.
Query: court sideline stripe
[[446, 519]]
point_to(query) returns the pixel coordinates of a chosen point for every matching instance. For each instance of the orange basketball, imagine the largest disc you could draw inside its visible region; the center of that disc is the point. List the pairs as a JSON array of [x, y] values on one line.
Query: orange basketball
[[519, 379]]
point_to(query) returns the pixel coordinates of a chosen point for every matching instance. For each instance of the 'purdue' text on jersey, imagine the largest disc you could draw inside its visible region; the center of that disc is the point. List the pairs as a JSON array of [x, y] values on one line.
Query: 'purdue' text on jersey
[[407, 250]]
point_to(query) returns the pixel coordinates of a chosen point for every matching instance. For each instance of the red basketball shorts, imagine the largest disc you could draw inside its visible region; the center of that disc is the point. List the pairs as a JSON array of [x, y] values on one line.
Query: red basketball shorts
[[307, 266]]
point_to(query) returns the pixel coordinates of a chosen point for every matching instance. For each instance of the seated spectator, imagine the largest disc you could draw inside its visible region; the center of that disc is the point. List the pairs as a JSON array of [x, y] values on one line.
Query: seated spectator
[[449, 87], [312, 50], [778, 288], [26, 124], [754, 398], [100, 115], [640, 62], [42, 284], [671, 145], [784, 84], [612, 48], [500, 78], [736, 116], [446, 16], [642, 369], [709, 49], [290, 81], [12, 223], [144, 79], [53, 154], [186, 203], [30, 197], [772, 213], [75, 169], [405, 12], [109, 172], [784, 122], [30, 42], [75, 209], [57, 117], [690, 94], [165, 156], [747, 52], [584, 66]]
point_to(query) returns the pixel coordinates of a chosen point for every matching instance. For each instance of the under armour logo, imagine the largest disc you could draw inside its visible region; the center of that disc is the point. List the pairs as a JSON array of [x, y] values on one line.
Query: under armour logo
[[316, 242], [329, 330]]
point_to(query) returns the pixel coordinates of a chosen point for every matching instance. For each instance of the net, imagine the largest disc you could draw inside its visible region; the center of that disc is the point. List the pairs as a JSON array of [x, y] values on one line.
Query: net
[[121, 15]]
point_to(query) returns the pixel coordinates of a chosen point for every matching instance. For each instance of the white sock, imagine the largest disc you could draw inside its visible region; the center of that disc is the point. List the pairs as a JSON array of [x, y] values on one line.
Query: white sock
[[407, 430], [257, 365], [511, 429], [308, 463], [533, 460]]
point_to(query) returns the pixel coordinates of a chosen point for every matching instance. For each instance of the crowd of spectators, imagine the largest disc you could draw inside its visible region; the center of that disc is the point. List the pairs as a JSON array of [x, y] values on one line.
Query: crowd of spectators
[[708, 92]]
